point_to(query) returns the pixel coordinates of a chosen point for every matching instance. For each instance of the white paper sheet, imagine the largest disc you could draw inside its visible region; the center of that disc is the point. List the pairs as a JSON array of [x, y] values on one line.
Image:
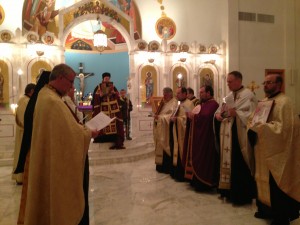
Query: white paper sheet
[[98, 122]]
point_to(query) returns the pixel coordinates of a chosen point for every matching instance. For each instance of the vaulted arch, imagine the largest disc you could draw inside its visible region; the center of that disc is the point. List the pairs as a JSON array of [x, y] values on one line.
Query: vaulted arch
[[125, 27]]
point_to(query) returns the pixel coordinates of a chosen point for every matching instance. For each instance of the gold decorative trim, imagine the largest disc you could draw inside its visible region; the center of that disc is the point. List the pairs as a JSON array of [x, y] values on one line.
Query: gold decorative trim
[[48, 38], [165, 28], [184, 47], [32, 37], [202, 49], [213, 49], [153, 46], [2, 15], [173, 47], [6, 36], [142, 45]]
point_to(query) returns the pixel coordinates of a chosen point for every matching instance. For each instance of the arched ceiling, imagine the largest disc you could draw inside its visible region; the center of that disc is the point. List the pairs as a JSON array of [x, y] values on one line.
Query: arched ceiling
[[41, 16]]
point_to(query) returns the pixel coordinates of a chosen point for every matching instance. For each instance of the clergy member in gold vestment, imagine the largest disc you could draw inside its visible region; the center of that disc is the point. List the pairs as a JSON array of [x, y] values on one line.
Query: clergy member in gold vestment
[[177, 132], [22, 104], [161, 130], [57, 157], [277, 157]]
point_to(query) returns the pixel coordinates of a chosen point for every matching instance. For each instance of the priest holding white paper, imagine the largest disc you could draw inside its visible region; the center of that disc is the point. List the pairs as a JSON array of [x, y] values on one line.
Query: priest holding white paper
[[106, 99], [99, 121]]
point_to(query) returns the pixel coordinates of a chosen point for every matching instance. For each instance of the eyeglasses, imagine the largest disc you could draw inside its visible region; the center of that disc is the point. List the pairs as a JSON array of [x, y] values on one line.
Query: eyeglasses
[[269, 82]]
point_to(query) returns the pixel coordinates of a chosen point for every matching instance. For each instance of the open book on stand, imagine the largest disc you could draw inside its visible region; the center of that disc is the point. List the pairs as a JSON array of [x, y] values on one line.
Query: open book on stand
[[262, 112]]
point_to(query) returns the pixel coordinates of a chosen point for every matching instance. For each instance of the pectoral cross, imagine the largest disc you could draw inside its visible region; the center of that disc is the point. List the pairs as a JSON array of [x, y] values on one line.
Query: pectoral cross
[[81, 75], [252, 86]]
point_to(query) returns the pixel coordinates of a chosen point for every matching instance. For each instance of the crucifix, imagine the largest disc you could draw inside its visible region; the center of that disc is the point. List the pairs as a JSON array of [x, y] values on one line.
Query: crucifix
[[252, 86], [82, 76]]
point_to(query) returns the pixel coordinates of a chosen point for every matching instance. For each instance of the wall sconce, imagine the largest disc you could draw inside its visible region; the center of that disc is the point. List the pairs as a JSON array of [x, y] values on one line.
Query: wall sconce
[[182, 59], [39, 48], [152, 56], [150, 60], [182, 56]]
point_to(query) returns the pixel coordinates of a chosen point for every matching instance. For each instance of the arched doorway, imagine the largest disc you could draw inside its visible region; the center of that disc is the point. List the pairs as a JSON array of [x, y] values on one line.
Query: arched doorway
[[115, 58]]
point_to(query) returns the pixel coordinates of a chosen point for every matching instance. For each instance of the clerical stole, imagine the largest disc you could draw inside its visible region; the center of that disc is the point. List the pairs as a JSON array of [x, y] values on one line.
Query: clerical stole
[[244, 103], [161, 131], [186, 160], [110, 107], [225, 157], [179, 129]]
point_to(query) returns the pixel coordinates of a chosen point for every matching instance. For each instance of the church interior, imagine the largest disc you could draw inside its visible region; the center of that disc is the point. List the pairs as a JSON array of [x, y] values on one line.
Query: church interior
[[162, 43]]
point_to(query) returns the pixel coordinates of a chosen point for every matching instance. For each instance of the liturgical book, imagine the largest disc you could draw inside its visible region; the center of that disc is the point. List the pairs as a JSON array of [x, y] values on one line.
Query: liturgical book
[[262, 112], [98, 122]]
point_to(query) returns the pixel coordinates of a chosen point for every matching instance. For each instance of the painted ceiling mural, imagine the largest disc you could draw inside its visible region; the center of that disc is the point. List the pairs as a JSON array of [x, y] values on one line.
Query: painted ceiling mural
[[41, 16]]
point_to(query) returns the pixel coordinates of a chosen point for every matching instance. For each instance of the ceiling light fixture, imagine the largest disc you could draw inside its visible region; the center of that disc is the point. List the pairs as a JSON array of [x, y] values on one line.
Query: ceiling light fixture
[[100, 38]]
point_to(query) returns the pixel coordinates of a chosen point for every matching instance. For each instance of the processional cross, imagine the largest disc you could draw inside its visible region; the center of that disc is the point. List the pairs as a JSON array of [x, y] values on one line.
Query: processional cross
[[82, 77]]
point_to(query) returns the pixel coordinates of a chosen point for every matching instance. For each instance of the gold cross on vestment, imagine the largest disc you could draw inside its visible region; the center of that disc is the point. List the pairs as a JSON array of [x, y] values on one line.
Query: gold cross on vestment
[[227, 149], [252, 86], [237, 97], [227, 178], [226, 164]]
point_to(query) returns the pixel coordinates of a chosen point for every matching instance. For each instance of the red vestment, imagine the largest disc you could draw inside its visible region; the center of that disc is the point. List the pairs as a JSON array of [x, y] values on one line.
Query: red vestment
[[201, 155]]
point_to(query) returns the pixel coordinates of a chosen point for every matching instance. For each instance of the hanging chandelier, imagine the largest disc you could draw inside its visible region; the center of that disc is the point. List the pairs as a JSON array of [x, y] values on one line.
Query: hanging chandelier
[[92, 30], [100, 40]]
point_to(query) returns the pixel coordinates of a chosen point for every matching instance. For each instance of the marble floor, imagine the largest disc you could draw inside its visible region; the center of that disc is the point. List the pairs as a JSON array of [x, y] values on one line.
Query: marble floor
[[134, 193]]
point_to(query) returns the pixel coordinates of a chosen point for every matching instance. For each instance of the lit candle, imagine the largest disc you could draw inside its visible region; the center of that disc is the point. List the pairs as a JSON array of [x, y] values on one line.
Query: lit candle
[[13, 108], [179, 76]]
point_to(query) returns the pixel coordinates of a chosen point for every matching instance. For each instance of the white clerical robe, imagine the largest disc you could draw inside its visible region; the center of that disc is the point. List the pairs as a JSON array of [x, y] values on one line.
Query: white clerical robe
[[245, 103], [57, 157]]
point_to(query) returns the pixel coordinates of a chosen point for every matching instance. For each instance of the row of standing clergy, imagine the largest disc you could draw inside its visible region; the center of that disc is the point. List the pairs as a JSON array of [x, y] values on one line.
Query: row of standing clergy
[[219, 147]]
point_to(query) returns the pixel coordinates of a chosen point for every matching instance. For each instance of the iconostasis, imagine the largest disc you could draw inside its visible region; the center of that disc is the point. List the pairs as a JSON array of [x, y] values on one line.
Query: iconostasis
[[50, 28]]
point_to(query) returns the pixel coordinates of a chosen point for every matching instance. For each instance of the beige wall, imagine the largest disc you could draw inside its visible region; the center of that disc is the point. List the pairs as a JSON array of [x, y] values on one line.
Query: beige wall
[[255, 46], [270, 46], [200, 21], [251, 47]]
